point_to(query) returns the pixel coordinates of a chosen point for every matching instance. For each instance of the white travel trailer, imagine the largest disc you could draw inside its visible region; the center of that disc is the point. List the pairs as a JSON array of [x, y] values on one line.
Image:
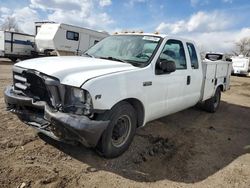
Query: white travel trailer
[[66, 39], [39, 24], [15, 45], [240, 65]]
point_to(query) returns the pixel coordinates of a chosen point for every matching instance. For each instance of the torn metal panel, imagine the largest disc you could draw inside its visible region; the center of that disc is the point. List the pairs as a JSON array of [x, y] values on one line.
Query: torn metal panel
[[54, 123]]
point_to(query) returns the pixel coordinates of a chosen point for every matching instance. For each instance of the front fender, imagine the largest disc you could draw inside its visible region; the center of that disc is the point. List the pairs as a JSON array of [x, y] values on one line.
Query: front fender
[[108, 90]]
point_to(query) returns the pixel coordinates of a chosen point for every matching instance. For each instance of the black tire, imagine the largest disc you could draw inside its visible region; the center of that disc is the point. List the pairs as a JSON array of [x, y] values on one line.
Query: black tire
[[120, 116], [13, 59], [211, 105]]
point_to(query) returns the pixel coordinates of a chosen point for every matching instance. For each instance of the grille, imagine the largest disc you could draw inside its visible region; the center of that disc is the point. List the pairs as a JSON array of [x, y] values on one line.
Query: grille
[[31, 85]]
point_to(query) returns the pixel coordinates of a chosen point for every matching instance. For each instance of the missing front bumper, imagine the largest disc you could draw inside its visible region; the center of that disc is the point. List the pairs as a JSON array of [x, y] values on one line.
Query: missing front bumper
[[57, 125]]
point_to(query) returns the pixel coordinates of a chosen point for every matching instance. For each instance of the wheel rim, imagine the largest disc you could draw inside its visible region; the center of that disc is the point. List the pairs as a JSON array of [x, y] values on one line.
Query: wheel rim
[[121, 131]]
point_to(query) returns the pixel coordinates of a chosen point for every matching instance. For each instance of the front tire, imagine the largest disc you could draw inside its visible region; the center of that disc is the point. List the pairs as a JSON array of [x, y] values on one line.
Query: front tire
[[120, 132], [212, 104]]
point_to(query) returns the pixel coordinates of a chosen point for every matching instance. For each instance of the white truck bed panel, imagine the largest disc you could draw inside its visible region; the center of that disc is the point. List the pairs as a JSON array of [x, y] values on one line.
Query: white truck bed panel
[[215, 73]]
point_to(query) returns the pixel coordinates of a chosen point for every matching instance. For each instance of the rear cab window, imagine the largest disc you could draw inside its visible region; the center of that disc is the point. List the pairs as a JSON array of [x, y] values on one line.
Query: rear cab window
[[214, 57], [193, 56]]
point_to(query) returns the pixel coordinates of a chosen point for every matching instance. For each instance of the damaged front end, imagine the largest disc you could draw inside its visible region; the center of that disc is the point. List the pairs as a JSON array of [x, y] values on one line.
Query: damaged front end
[[62, 112]]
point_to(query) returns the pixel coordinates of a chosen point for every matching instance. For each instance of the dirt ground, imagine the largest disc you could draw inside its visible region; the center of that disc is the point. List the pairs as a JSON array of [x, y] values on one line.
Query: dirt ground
[[191, 148]]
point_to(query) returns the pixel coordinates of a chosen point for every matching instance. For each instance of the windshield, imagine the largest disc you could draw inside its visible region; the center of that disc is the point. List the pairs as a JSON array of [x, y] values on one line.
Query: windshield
[[126, 48]]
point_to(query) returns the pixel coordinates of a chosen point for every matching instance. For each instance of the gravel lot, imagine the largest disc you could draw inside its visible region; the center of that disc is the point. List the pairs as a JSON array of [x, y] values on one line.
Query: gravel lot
[[191, 148]]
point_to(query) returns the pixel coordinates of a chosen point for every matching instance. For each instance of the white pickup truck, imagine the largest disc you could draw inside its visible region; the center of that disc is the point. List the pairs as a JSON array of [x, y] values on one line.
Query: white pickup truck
[[123, 82]]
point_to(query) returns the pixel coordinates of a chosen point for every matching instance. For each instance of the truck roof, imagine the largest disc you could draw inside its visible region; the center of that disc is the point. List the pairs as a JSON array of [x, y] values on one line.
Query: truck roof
[[140, 33], [154, 35]]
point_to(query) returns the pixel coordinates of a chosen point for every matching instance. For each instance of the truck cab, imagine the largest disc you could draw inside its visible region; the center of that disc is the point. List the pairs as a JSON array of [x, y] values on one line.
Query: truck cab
[[120, 84]]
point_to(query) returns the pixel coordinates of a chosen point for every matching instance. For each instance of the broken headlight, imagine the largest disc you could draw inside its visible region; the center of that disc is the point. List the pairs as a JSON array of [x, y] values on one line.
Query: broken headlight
[[77, 101]]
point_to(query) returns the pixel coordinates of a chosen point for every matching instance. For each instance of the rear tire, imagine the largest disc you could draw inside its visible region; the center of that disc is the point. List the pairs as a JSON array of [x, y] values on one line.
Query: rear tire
[[120, 132], [211, 105]]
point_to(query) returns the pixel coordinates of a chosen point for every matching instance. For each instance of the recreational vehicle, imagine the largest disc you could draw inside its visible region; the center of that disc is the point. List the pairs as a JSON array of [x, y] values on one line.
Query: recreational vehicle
[[15, 45], [39, 24], [241, 65], [66, 39]]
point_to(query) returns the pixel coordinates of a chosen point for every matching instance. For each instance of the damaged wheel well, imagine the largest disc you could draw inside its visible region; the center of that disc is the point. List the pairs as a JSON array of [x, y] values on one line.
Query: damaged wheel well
[[139, 109]]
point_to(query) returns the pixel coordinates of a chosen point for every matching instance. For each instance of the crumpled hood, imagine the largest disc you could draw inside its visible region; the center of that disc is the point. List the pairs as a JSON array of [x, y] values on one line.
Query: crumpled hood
[[74, 70]]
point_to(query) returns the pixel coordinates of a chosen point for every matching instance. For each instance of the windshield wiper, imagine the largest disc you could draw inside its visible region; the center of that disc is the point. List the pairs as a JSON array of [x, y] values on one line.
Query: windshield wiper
[[89, 55], [114, 59], [134, 63]]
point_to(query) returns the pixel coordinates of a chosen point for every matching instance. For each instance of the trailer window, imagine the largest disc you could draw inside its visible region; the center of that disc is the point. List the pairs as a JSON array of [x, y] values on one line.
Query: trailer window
[[193, 56], [71, 35]]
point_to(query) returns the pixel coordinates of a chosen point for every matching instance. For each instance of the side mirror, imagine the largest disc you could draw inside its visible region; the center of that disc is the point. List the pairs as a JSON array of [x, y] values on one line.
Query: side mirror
[[167, 66]]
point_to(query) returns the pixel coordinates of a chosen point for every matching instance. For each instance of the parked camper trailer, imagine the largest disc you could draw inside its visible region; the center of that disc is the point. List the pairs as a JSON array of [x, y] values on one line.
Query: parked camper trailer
[[15, 45], [39, 24], [66, 39], [240, 65]]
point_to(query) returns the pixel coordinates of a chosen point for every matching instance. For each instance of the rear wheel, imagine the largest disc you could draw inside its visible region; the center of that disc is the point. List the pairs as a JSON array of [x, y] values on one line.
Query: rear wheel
[[212, 104], [120, 132]]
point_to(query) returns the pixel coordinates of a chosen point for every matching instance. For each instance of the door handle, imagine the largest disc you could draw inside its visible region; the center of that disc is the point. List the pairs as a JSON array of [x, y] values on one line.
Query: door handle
[[188, 80]]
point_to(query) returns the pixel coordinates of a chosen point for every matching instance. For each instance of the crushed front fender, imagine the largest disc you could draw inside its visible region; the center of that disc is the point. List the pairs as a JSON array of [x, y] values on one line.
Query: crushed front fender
[[58, 125]]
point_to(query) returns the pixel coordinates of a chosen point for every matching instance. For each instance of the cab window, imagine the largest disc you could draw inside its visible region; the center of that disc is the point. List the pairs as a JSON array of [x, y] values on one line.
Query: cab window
[[193, 56], [174, 51]]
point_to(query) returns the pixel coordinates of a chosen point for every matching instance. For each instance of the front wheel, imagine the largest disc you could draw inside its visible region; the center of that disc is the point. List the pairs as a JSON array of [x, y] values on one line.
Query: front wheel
[[120, 132], [212, 104]]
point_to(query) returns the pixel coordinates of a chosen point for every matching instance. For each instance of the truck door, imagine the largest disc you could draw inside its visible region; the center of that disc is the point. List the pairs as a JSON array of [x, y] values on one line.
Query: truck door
[[173, 84], [193, 84]]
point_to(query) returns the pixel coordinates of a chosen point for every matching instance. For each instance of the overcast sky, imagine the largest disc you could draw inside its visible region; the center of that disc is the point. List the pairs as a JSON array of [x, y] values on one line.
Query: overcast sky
[[214, 24]]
